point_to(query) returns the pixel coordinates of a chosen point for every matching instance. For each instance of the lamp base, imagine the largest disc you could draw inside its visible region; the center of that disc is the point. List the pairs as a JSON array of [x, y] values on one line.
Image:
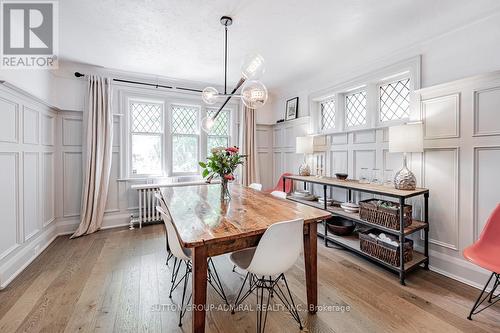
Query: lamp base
[[405, 179], [304, 170]]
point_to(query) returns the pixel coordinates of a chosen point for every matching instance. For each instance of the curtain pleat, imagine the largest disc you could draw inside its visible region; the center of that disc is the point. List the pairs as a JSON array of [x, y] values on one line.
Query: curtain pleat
[[250, 168]]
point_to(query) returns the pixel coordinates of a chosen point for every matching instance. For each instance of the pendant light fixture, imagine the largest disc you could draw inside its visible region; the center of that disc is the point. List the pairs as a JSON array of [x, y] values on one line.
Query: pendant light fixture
[[253, 92]]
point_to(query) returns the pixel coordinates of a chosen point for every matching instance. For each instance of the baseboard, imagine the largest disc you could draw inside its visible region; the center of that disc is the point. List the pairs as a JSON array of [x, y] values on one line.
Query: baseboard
[[25, 256], [31, 250], [458, 269]]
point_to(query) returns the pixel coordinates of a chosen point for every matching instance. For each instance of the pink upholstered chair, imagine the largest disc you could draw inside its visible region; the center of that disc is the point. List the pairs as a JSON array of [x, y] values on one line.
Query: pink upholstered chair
[[485, 252], [279, 186]]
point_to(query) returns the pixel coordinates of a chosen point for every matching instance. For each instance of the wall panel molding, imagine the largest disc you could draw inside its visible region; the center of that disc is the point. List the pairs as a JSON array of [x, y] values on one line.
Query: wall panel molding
[[442, 117], [9, 121], [31, 126], [72, 131], [48, 181], [72, 183], [486, 101], [434, 174], [10, 237], [485, 185], [31, 195]]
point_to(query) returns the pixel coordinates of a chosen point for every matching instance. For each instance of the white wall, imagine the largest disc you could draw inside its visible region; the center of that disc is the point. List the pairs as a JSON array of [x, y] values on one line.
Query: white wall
[[470, 50]]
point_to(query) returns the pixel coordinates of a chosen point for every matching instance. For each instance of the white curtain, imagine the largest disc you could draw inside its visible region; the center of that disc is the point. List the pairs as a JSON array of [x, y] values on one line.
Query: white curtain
[[250, 168], [97, 152]]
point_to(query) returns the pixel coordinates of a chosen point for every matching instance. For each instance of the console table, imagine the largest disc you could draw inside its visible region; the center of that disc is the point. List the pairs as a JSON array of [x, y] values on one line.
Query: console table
[[352, 242]]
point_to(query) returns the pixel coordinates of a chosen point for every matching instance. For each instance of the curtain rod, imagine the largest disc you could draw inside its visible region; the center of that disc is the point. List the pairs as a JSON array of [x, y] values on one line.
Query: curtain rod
[[78, 74]]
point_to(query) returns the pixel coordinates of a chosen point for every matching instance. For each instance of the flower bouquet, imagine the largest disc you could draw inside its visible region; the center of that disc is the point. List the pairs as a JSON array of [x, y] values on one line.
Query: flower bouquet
[[222, 162]]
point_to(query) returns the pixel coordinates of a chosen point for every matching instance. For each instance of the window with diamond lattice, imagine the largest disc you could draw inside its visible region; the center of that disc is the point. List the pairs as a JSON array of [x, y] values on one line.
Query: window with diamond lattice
[[327, 114], [395, 100], [146, 137], [355, 108], [185, 138], [219, 134]]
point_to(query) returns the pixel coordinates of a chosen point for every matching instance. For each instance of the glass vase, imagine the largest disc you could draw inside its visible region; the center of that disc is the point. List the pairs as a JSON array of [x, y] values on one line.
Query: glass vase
[[224, 192]]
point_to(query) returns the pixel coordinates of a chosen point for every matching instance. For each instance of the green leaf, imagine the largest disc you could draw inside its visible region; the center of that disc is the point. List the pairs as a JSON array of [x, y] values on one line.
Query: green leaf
[[205, 173], [202, 164]]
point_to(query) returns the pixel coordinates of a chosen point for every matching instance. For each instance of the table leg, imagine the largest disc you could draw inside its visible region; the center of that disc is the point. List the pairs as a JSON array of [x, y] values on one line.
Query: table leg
[[199, 288], [311, 265]]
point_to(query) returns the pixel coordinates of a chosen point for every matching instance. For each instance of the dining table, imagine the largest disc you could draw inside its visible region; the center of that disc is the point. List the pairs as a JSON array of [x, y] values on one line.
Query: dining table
[[210, 226]]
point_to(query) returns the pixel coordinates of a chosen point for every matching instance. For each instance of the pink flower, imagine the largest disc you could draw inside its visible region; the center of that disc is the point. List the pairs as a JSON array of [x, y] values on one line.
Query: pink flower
[[229, 177], [232, 150]]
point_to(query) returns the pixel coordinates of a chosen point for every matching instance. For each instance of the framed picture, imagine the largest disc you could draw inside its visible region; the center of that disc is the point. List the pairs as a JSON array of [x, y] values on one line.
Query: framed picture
[[292, 106]]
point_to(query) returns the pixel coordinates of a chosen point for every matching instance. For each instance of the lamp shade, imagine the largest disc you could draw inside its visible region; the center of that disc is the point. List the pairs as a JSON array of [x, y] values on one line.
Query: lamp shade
[[304, 145], [407, 138]]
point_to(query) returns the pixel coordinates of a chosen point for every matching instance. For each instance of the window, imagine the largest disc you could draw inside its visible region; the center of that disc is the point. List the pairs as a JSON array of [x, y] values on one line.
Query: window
[[219, 134], [327, 114], [395, 100], [185, 138], [146, 137], [355, 109]]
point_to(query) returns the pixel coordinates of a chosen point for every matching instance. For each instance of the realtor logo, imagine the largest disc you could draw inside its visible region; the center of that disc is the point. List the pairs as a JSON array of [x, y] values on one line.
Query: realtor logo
[[29, 34]]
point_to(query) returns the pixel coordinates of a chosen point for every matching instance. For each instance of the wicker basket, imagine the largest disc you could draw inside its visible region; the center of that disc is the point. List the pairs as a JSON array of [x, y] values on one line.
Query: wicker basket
[[371, 211], [383, 251]]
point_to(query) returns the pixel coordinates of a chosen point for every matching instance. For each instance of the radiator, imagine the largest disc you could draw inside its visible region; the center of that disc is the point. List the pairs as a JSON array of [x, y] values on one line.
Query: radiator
[[147, 205]]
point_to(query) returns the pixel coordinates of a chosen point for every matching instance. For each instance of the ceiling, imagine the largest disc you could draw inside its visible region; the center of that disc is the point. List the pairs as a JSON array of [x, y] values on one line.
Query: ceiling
[[184, 39]]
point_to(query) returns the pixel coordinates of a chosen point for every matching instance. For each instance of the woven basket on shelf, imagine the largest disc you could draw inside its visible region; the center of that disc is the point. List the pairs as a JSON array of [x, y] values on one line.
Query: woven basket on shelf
[[383, 251], [371, 211]]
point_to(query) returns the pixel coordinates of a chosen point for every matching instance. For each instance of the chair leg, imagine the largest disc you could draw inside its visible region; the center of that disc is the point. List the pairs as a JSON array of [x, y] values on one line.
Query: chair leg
[[261, 308], [169, 256], [215, 282], [287, 299], [488, 296], [251, 288], [184, 289], [175, 273], [173, 270], [497, 282]]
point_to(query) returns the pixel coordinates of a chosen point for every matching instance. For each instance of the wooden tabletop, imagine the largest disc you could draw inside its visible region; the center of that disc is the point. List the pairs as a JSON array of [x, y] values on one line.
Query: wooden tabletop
[[200, 217], [357, 186]]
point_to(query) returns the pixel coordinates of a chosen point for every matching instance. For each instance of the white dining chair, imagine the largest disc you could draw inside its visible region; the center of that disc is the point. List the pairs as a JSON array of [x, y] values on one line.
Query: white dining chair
[[163, 205], [256, 186], [279, 194], [277, 251], [183, 255]]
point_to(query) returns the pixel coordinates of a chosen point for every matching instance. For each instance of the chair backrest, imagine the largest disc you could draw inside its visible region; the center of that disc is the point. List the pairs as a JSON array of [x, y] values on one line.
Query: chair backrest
[[173, 238], [278, 248], [256, 186], [491, 231], [162, 202], [279, 194], [288, 183]]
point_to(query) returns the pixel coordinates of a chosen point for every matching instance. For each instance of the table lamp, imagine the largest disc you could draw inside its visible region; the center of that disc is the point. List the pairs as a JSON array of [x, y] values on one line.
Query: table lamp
[[304, 145], [406, 139]]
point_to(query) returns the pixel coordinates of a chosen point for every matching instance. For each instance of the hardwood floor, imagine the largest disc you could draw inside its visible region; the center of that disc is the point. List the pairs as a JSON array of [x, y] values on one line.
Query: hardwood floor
[[112, 280]]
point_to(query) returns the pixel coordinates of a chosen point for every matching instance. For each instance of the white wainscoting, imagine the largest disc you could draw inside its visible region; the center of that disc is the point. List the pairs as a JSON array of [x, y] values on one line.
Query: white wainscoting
[[27, 179], [460, 164]]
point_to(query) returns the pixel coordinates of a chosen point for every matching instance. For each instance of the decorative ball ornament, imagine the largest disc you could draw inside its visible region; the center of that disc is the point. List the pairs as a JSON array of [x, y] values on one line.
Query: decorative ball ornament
[[254, 94], [207, 123], [253, 66], [209, 95]]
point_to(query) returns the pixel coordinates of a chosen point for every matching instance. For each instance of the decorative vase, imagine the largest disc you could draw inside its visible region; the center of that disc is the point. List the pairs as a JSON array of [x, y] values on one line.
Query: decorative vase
[[405, 179], [304, 170], [224, 191]]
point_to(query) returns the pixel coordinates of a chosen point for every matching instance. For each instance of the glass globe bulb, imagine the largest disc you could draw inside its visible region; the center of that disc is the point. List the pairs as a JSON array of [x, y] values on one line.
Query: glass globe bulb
[[253, 66], [207, 123], [254, 94], [209, 95]]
